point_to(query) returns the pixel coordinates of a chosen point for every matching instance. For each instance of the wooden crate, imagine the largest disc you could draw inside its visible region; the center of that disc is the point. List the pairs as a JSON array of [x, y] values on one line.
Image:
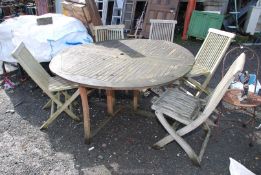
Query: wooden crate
[[86, 13]]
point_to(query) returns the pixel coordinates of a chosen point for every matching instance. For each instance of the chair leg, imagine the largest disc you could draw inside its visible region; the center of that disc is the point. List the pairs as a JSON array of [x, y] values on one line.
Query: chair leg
[[185, 146], [58, 95], [72, 115], [204, 144], [167, 139], [67, 96], [64, 107], [164, 141], [68, 111], [53, 104], [48, 104], [52, 107]]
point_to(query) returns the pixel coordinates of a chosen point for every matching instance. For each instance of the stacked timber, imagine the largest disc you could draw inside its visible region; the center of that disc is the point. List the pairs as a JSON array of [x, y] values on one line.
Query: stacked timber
[[86, 12], [75, 10]]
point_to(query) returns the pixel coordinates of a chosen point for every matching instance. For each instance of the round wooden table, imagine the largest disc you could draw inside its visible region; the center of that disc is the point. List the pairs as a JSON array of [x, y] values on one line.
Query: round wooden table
[[122, 65]]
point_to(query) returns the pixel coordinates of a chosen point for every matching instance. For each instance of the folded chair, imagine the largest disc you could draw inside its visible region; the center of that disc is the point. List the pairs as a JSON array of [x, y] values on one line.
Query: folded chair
[[208, 58], [108, 32], [186, 110], [54, 87], [162, 29]]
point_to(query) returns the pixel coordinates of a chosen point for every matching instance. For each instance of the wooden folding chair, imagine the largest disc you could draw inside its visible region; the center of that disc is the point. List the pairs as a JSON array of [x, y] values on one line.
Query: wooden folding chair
[[208, 58], [108, 32], [186, 110], [162, 29], [54, 87]]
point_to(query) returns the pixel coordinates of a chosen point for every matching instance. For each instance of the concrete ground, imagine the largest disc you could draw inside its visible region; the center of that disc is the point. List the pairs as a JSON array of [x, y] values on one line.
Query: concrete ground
[[122, 147]]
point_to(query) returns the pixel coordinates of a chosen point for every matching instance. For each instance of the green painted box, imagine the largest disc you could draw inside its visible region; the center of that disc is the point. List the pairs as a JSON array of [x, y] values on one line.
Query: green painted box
[[200, 22]]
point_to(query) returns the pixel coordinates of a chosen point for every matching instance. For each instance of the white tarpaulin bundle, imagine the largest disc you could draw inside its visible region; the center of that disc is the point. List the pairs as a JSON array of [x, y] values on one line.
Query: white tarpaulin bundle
[[43, 41]]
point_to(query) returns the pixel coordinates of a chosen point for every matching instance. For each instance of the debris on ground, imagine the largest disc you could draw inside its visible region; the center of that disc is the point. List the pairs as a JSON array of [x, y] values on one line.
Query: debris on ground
[[10, 111]]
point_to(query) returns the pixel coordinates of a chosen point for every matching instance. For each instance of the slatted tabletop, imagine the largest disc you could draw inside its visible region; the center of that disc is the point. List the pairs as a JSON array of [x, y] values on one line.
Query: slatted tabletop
[[123, 64]]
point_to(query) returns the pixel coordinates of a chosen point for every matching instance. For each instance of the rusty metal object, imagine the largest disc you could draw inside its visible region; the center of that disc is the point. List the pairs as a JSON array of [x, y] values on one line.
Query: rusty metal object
[[233, 96]]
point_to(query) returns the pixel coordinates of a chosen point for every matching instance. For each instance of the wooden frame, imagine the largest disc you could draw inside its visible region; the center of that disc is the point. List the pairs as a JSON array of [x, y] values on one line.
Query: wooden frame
[[54, 87], [162, 29], [185, 109], [116, 65], [208, 58], [159, 9], [108, 32]]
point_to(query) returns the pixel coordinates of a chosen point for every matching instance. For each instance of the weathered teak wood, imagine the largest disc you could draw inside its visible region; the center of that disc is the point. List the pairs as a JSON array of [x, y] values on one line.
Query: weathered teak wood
[[87, 12], [108, 32], [208, 58], [122, 65], [159, 9], [92, 14], [86, 114], [185, 109], [110, 101], [135, 99], [52, 86], [162, 29]]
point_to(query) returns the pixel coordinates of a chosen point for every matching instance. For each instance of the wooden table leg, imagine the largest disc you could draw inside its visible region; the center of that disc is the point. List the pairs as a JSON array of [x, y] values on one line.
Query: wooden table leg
[[135, 99], [86, 115], [110, 101]]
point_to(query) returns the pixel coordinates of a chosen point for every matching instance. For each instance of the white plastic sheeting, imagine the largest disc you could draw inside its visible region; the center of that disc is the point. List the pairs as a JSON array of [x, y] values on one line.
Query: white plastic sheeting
[[237, 168], [43, 41]]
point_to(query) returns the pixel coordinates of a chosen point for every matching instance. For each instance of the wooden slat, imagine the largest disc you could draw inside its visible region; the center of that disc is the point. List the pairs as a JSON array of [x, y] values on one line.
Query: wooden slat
[[59, 84], [86, 114], [210, 55], [110, 101], [123, 64], [159, 9], [162, 29], [108, 32]]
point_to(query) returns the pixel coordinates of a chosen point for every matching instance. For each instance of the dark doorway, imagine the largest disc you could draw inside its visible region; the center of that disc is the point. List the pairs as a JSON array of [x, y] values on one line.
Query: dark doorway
[[140, 7], [109, 12]]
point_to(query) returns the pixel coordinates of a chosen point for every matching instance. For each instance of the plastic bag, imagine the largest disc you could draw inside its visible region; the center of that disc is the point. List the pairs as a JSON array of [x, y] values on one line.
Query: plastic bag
[[237, 168]]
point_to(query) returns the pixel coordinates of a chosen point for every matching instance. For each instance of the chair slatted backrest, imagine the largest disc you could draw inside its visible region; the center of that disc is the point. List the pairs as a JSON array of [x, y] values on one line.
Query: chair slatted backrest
[[212, 50], [32, 67], [108, 32], [162, 29], [218, 93]]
